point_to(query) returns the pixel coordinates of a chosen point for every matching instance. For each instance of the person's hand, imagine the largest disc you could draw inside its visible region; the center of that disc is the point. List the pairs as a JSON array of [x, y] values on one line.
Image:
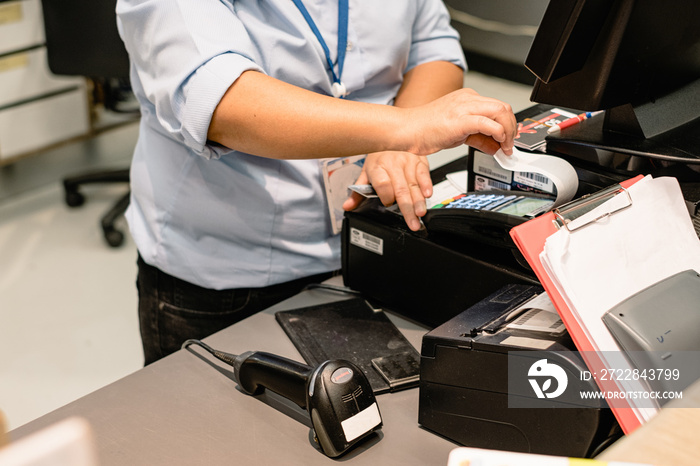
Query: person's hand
[[462, 117], [399, 177]]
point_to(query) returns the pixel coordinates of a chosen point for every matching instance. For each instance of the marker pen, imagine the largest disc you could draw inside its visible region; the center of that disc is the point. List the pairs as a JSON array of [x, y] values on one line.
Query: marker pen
[[572, 121]]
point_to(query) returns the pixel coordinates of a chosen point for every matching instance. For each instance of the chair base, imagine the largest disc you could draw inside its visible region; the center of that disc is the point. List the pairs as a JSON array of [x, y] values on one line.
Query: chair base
[[74, 198]]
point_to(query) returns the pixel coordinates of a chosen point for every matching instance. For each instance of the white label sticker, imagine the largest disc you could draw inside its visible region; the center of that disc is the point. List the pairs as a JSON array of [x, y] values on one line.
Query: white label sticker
[[485, 184], [367, 241], [539, 320], [538, 315], [487, 166], [534, 180], [361, 423]]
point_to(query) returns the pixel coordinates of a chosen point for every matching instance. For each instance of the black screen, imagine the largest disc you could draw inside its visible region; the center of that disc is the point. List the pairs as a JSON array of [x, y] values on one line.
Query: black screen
[[640, 59]]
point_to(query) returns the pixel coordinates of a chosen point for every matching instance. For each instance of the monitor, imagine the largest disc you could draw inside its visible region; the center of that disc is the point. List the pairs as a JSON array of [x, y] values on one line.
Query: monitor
[[639, 60]]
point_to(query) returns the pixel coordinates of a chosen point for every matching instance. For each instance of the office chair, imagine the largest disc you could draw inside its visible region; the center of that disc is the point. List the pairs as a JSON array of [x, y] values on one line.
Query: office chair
[[82, 40]]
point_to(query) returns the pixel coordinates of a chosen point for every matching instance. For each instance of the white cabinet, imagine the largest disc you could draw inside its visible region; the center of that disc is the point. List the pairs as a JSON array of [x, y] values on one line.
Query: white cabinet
[[21, 25], [37, 108]]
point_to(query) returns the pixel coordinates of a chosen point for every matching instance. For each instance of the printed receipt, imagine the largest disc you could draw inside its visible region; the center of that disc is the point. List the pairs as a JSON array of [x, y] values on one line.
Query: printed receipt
[[562, 174]]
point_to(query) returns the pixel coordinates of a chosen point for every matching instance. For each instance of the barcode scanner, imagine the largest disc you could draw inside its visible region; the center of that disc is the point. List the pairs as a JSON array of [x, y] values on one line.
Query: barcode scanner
[[336, 394]]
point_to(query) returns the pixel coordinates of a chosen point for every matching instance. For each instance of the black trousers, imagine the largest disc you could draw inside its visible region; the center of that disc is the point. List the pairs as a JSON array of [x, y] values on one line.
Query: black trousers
[[173, 310]]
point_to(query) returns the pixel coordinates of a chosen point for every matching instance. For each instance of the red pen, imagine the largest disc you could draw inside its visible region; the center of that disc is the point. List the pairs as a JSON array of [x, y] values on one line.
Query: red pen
[[571, 121]]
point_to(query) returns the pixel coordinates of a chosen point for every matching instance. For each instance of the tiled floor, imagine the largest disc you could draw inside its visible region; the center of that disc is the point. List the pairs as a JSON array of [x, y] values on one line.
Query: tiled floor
[[68, 321]]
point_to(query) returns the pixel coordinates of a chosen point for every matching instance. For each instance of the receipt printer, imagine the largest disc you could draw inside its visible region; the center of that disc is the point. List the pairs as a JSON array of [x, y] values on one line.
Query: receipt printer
[[466, 394]]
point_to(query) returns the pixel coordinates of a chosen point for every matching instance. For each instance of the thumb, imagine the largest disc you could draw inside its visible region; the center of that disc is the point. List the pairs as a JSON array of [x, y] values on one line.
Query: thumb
[[356, 199]]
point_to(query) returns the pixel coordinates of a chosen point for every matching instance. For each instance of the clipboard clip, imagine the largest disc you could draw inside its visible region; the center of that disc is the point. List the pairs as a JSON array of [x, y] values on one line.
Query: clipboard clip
[[567, 213]]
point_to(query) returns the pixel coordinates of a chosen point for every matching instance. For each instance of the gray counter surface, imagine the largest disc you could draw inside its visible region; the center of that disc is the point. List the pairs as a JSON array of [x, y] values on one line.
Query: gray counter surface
[[186, 410]]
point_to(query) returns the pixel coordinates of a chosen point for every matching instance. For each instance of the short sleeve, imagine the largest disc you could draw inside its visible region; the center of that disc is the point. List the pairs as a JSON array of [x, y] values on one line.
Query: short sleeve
[[185, 54], [434, 39], [203, 92]]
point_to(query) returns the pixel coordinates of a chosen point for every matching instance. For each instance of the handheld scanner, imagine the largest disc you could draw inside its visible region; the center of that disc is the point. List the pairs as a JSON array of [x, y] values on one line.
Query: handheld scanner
[[336, 394]]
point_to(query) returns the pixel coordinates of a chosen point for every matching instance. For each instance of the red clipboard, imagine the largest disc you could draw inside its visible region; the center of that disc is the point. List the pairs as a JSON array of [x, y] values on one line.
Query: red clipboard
[[530, 239]]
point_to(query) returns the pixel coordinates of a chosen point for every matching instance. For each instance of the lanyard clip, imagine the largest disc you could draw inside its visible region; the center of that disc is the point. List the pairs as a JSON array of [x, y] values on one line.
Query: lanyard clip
[[338, 90]]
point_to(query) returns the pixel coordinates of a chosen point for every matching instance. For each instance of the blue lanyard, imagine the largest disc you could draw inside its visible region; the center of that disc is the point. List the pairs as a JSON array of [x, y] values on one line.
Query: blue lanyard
[[343, 12]]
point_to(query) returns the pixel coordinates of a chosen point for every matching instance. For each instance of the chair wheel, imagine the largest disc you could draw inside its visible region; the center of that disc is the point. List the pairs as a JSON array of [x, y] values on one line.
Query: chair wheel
[[114, 238], [74, 199]]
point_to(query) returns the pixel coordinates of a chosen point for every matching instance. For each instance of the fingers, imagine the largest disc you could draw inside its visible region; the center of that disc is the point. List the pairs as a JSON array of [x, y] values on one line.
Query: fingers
[[484, 144], [355, 199], [510, 128], [459, 116], [506, 118], [408, 195], [424, 180], [495, 119], [401, 178]]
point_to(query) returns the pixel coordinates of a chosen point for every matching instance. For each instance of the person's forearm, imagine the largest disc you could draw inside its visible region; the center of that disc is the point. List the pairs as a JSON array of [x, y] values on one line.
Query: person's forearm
[[267, 117], [427, 82], [263, 116], [399, 176]]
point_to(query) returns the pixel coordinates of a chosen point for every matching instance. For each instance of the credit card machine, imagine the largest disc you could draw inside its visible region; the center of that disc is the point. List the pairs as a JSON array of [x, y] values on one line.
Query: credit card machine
[[486, 216]]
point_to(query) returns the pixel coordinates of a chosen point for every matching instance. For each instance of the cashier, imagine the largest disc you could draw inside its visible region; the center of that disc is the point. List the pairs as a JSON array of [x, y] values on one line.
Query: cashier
[[239, 99]]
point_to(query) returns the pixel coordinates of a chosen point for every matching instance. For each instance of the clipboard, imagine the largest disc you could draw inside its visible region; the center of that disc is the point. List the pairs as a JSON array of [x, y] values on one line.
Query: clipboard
[[530, 239]]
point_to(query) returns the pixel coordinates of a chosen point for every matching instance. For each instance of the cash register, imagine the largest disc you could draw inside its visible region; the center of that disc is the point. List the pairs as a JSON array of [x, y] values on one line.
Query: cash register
[[639, 61]]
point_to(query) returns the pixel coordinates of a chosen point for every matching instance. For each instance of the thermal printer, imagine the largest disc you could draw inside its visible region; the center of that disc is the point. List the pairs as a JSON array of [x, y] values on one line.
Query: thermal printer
[[467, 392]]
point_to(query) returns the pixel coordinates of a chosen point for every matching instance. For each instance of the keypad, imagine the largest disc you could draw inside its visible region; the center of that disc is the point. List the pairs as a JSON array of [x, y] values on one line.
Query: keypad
[[475, 201]]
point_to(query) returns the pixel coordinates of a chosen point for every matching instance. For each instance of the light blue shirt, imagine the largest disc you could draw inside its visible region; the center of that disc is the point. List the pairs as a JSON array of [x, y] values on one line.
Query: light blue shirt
[[225, 219]]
